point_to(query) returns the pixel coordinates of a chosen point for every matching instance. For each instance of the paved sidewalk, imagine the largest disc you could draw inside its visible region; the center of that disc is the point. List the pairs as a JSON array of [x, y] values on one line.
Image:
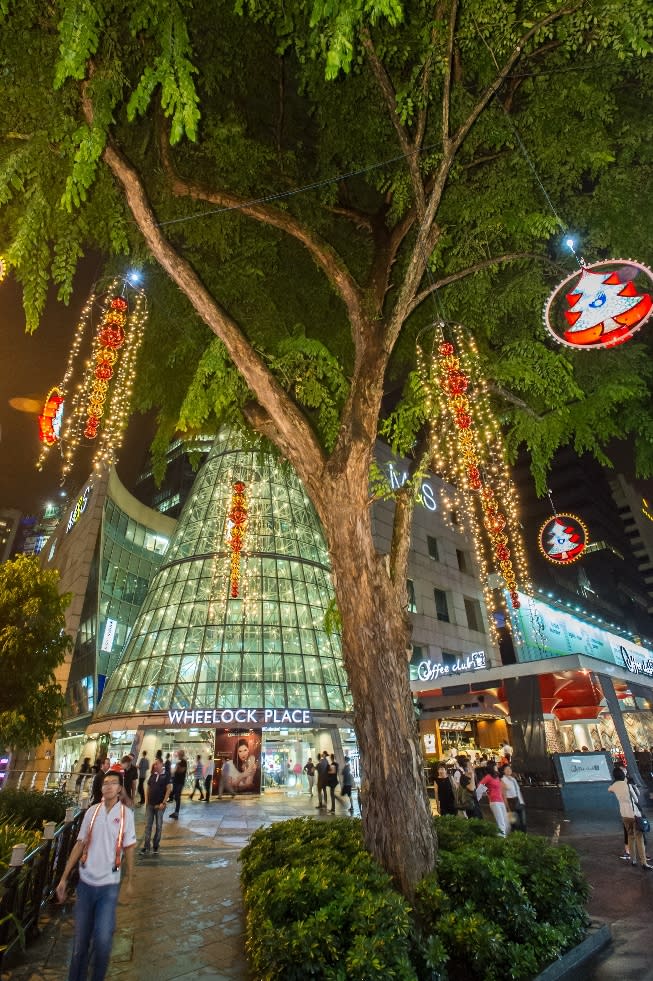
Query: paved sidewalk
[[186, 919]]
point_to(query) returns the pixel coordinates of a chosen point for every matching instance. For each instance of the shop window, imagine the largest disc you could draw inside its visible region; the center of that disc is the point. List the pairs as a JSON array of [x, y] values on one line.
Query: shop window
[[432, 544], [441, 605], [474, 615], [410, 594], [463, 560]]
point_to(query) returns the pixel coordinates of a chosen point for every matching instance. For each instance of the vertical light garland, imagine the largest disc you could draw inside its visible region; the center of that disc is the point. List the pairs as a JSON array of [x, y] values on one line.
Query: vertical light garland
[[236, 529], [470, 452]]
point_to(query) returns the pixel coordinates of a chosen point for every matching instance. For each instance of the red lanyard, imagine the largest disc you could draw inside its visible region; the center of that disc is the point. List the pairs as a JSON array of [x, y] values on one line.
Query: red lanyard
[[121, 835]]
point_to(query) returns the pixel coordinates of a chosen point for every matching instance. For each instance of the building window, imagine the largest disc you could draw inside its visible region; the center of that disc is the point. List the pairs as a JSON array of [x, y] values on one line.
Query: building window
[[410, 593], [463, 560], [441, 605], [474, 615], [432, 544]]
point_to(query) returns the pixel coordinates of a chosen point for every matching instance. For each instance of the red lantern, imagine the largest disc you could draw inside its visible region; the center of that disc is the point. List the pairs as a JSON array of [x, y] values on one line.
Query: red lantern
[[446, 349], [118, 303]]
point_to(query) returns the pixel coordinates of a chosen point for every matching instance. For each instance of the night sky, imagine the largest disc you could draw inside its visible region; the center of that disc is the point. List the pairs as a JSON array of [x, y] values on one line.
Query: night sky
[[29, 366]]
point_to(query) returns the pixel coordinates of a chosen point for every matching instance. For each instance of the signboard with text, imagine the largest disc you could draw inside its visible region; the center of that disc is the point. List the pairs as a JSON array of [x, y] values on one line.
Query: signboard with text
[[584, 767], [252, 718]]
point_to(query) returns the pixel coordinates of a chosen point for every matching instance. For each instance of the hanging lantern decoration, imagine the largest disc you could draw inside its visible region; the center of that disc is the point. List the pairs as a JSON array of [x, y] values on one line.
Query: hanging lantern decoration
[[236, 528], [563, 539], [3, 267], [600, 305], [471, 455], [111, 338], [51, 417]]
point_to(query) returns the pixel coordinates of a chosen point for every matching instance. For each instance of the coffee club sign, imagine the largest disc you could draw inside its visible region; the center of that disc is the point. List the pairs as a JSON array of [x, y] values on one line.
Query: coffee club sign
[[432, 670], [252, 718]]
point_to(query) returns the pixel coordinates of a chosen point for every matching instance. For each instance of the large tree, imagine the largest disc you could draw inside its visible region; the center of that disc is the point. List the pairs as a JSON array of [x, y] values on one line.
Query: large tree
[[320, 182], [33, 644]]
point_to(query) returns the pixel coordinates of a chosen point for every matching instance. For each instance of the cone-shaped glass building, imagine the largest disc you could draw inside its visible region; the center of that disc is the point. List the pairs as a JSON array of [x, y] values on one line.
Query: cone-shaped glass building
[[234, 617]]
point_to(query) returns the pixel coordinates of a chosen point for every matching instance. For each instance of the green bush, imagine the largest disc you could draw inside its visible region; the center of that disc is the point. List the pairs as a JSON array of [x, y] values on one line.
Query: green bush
[[32, 809], [318, 906], [16, 834]]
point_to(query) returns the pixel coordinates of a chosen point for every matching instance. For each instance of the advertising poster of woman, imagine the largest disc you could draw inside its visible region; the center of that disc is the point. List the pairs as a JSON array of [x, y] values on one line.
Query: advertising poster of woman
[[239, 750]]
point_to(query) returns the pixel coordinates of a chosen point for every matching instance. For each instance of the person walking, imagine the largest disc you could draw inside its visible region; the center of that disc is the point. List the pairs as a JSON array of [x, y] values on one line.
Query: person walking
[[446, 791], [332, 781], [347, 784], [322, 767], [106, 839], [178, 781], [198, 776], [497, 797], [131, 776], [84, 769], [514, 798], [629, 809], [143, 768], [157, 795], [96, 786], [208, 779], [309, 770]]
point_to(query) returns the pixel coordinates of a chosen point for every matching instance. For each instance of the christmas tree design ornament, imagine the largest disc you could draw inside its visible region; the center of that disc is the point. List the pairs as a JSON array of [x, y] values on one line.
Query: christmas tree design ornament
[[563, 539], [600, 305]]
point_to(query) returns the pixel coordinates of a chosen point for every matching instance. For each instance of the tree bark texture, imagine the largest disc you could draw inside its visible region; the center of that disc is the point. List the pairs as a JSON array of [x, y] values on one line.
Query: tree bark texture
[[397, 822]]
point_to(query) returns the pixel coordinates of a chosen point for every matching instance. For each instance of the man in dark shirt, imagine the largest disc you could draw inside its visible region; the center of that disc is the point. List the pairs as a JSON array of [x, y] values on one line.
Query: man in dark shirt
[[98, 780], [322, 770], [157, 793], [178, 781], [131, 776]]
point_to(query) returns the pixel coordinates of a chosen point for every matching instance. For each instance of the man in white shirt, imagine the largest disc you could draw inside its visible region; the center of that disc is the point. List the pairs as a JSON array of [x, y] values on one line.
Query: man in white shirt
[[106, 837]]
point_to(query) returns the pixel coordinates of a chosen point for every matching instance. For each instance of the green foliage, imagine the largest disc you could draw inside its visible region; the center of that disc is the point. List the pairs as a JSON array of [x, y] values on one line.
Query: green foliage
[[32, 645], [16, 834], [31, 809], [317, 906]]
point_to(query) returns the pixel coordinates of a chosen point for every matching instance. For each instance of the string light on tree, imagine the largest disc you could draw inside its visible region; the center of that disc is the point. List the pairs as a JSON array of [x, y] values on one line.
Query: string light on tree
[[3, 267], [471, 452], [97, 406]]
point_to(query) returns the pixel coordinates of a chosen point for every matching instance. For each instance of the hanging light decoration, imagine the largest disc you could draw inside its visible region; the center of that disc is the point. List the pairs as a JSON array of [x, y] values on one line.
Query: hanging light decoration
[[51, 417], [563, 538], [3, 267], [98, 405], [470, 453], [236, 528]]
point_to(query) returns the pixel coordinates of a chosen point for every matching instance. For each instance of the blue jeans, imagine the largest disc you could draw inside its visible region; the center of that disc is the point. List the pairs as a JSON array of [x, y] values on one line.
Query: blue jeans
[[95, 920], [153, 815]]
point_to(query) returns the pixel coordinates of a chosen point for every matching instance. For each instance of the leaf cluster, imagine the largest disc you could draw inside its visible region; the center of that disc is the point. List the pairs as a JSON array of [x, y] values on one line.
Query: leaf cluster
[[33, 643]]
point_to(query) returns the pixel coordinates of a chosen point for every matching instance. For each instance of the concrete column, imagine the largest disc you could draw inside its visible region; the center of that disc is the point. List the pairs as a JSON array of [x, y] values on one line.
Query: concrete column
[[612, 702]]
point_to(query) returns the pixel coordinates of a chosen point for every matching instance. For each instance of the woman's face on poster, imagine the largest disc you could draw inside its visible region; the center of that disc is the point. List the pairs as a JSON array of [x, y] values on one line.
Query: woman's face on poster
[[243, 752]]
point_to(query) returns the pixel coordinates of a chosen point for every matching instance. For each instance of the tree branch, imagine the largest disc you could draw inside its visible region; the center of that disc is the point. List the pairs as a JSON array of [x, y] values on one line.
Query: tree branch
[[446, 93], [502, 74], [513, 399], [325, 257], [426, 81], [292, 429], [469, 271], [388, 93]]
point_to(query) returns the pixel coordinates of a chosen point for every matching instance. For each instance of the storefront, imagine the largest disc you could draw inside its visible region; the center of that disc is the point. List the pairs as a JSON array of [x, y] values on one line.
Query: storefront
[[574, 687]]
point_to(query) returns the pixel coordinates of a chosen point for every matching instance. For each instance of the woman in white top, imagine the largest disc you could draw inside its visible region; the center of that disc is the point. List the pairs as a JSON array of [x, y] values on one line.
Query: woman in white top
[[628, 809], [514, 797]]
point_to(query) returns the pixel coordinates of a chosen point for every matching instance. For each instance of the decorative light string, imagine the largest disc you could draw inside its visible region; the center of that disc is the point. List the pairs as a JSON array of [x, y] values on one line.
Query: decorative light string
[[236, 528], [470, 450]]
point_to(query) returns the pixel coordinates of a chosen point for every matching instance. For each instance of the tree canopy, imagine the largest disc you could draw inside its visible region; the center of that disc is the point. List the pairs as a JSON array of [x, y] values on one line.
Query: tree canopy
[[320, 182], [32, 646]]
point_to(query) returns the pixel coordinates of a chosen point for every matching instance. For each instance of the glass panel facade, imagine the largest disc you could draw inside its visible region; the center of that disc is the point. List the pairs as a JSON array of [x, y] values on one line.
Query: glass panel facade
[[236, 627]]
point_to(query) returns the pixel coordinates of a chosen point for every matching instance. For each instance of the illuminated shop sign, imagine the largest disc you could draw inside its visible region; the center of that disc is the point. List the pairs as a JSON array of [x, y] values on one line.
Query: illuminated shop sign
[[432, 670], [637, 663], [241, 716], [541, 632], [79, 508], [109, 635], [427, 494]]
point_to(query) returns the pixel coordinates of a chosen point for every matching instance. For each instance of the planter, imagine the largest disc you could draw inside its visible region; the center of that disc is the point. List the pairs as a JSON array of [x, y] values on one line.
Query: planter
[[567, 966]]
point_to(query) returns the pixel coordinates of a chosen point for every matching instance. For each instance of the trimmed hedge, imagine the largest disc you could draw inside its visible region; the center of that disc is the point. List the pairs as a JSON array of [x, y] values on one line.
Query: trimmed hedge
[[318, 906]]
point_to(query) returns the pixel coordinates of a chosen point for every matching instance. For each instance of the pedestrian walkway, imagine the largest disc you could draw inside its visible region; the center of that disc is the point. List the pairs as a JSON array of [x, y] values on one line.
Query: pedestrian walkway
[[186, 917]]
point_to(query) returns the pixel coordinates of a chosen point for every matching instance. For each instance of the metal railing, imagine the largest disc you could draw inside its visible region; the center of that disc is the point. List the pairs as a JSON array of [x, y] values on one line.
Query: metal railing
[[49, 782], [31, 881]]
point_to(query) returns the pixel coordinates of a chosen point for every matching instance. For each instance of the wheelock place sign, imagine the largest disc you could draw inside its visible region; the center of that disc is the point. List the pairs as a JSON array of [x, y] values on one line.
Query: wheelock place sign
[[254, 718]]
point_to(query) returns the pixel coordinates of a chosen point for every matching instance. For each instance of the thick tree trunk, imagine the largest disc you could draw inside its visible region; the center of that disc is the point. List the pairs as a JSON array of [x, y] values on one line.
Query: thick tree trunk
[[397, 822]]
